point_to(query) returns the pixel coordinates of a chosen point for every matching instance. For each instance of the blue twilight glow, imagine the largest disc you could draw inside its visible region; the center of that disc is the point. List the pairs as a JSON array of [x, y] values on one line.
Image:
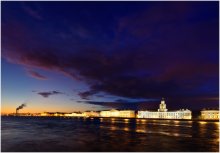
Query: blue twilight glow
[[69, 56]]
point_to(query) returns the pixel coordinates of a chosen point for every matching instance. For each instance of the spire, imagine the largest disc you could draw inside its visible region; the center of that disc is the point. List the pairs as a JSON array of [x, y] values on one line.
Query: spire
[[162, 106]]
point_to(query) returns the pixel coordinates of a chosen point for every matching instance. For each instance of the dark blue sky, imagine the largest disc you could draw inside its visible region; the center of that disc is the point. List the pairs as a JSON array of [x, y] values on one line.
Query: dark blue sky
[[67, 56]]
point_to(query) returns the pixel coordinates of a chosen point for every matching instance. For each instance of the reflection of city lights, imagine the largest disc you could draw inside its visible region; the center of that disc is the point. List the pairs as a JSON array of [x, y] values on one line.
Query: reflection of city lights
[[126, 129], [216, 123], [201, 122], [113, 128], [138, 121], [112, 120], [126, 120], [143, 120], [140, 131], [176, 121], [176, 134]]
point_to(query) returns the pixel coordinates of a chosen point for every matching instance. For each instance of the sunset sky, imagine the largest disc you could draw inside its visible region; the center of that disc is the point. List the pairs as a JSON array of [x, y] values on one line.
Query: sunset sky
[[77, 56]]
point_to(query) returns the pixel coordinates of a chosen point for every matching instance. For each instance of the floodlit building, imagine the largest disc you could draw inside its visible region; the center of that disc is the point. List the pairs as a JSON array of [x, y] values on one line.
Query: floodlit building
[[91, 114], [110, 113], [210, 114], [118, 113], [75, 114], [52, 114], [59, 114], [127, 113], [163, 113], [47, 114]]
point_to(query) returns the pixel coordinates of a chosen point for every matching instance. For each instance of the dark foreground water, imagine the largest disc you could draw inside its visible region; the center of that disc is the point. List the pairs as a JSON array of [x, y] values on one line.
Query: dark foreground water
[[77, 134]]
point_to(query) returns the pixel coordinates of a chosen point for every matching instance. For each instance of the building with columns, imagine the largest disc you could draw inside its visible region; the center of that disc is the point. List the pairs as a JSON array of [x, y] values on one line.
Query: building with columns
[[118, 113], [210, 114], [163, 113]]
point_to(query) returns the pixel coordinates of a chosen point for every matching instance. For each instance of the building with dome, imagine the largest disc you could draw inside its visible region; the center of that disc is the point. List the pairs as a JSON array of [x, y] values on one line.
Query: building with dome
[[163, 113]]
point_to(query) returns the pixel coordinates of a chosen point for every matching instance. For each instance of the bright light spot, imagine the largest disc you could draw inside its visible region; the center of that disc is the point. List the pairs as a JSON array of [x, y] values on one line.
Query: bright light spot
[[217, 123], [201, 122], [112, 120], [143, 120], [126, 120], [176, 121], [126, 129]]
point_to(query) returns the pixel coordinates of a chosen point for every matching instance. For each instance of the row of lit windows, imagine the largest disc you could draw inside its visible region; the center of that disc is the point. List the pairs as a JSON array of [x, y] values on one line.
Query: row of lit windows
[[166, 113], [210, 113]]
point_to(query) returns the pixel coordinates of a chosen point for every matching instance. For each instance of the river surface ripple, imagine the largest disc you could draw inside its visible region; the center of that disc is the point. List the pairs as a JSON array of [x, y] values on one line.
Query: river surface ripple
[[54, 134]]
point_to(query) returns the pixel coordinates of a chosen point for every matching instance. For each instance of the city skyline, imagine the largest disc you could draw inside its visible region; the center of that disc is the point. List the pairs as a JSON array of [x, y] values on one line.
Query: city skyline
[[78, 56]]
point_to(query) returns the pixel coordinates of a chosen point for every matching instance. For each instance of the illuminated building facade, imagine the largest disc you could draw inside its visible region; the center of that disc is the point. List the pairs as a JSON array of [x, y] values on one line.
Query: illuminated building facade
[[74, 114], [61, 114], [127, 113], [210, 114], [110, 113], [117, 113], [163, 113], [91, 114], [47, 114]]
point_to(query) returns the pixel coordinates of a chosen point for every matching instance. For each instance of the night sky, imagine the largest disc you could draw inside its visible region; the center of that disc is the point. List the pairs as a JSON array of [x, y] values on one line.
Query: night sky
[[77, 56]]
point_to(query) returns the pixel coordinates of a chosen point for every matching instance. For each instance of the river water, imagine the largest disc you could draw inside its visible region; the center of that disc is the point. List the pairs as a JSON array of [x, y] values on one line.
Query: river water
[[54, 134]]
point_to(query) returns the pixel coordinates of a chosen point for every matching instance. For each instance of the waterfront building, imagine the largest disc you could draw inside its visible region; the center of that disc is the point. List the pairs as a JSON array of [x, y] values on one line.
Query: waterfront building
[[52, 114], [109, 113], [47, 114], [75, 114], [210, 114], [118, 113], [91, 114], [163, 113], [58, 114], [127, 113]]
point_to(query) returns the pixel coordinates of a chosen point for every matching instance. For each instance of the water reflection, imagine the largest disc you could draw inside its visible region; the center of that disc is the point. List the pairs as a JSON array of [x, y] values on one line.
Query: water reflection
[[113, 120], [101, 119], [143, 121], [217, 123], [176, 122], [126, 120], [111, 134], [202, 122], [126, 129]]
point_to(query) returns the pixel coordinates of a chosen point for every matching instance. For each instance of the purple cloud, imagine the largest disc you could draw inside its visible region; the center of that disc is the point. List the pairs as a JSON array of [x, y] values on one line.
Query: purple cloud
[[36, 75], [152, 53], [46, 94]]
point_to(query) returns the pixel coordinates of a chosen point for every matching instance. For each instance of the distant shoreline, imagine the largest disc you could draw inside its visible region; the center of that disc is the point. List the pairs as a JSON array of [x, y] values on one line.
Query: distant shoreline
[[151, 119]]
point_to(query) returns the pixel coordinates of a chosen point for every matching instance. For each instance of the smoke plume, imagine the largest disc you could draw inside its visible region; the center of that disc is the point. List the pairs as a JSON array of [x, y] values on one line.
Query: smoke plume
[[21, 106]]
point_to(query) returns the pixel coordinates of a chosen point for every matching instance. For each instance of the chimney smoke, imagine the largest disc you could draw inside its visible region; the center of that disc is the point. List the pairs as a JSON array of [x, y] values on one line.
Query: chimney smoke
[[20, 107]]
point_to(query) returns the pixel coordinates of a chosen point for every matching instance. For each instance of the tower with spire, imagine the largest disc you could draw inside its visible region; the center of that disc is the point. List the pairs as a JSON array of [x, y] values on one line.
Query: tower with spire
[[162, 107]]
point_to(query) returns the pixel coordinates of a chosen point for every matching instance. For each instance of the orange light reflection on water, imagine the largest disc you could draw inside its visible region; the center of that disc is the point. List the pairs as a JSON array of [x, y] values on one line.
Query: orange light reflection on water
[[202, 122], [126, 120]]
